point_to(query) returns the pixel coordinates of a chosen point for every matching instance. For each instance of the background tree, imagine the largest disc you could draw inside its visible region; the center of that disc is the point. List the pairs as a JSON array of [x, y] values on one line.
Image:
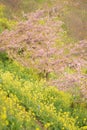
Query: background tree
[[33, 42]]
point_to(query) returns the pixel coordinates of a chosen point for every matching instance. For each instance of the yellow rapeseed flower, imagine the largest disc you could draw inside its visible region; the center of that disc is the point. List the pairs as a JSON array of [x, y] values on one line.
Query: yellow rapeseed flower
[[37, 129], [7, 122], [3, 116], [84, 119], [47, 125]]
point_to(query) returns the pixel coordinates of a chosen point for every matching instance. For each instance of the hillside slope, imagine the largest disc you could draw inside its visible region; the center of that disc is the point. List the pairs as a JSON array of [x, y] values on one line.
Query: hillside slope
[[48, 49], [29, 103], [72, 12], [43, 65]]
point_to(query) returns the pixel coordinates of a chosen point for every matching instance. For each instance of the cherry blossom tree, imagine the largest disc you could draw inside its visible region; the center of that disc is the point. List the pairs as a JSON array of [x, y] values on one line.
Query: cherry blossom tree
[[33, 43]]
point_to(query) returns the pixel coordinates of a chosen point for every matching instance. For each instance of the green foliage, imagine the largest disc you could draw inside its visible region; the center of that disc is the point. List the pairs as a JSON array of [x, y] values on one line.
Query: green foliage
[[2, 8], [69, 70], [4, 22], [3, 56], [12, 66], [40, 1], [84, 70], [27, 102]]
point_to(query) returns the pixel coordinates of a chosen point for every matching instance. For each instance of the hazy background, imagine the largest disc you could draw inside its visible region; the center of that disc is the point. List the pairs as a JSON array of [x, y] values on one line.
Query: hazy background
[[72, 12]]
